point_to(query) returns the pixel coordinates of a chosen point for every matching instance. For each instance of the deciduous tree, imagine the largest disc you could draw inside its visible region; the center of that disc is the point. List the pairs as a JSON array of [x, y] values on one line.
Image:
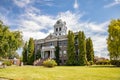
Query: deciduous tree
[[113, 40], [10, 41]]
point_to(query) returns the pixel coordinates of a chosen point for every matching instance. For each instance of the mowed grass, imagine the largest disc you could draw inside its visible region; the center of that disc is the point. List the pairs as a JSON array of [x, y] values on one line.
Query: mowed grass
[[61, 73]]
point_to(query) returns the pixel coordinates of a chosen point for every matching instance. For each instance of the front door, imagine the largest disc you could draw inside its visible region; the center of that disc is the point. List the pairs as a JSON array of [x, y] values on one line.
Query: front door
[[47, 54]]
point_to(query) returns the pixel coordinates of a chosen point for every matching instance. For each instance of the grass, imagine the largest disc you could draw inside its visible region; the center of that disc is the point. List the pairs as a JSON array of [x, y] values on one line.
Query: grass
[[61, 73]]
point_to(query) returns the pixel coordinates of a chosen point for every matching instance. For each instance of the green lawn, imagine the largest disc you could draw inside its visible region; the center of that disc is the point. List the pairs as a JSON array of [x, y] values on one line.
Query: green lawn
[[61, 73]]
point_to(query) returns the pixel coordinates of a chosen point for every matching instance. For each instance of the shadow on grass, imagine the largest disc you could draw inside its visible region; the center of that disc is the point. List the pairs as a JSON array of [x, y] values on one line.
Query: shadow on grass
[[103, 66], [3, 78]]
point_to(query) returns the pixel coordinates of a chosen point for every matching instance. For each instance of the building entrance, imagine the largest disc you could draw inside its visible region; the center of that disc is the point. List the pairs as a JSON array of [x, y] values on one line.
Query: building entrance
[[47, 54]]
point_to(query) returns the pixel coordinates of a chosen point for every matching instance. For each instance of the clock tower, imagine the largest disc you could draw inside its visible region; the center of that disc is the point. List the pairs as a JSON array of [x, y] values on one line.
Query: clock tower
[[60, 28]]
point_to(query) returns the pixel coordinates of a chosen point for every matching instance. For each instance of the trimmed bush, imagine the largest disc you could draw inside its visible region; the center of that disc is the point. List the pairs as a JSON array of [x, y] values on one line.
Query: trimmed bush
[[115, 62], [49, 63], [7, 62], [103, 62]]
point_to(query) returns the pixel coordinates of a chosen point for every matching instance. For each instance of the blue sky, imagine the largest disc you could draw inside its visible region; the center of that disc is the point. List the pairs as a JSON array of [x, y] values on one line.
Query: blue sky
[[35, 18]]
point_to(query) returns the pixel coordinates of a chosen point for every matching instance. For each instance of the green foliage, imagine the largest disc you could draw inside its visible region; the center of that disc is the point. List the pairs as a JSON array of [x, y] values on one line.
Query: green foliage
[[31, 51], [25, 53], [13, 55], [57, 54], [115, 62], [89, 50], [38, 55], [91, 62], [113, 40], [7, 62], [10, 41], [71, 49], [49, 63], [103, 62], [82, 49]]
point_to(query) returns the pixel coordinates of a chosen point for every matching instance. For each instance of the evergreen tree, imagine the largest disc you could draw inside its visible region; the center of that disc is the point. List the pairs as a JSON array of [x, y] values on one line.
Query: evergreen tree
[[89, 50], [71, 49], [113, 40], [25, 53], [31, 51], [82, 49], [57, 50], [38, 55]]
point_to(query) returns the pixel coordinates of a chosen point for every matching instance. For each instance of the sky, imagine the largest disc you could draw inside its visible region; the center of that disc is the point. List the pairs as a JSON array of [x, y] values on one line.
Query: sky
[[36, 18]]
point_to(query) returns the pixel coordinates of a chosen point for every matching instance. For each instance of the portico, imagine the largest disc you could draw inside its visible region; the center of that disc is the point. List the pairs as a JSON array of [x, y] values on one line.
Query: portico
[[48, 52]]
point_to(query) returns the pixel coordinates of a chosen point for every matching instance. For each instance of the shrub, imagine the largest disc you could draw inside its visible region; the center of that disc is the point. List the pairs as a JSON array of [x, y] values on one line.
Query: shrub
[[7, 62], [103, 62], [115, 62], [49, 63]]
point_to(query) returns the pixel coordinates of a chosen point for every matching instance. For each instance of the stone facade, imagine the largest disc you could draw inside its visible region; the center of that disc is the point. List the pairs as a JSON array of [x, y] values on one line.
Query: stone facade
[[47, 45]]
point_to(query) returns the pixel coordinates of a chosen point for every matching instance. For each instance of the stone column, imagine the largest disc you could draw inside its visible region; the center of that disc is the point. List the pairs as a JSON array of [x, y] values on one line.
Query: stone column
[[50, 54], [42, 54]]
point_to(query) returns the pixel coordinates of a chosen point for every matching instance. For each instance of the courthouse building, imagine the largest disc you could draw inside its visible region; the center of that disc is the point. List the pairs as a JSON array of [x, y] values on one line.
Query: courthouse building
[[48, 44]]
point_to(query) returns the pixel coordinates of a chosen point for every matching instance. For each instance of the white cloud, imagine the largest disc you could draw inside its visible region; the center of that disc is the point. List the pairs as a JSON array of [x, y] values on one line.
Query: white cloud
[[115, 2], [3, 15], [76, 6], [32, 24], [33, 34], [72, 20], [22, 3], [45, 2]]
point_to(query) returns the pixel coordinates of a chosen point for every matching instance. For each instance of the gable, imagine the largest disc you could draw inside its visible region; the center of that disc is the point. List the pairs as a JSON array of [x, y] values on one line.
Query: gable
[[50, 36]]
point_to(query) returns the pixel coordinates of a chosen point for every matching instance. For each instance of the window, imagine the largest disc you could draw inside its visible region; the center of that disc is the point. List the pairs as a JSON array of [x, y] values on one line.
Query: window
[[51, 43], [64, 43], [60, 52], [64, 52], [64, 60], [56, 29], [60, 29], [60, 43]]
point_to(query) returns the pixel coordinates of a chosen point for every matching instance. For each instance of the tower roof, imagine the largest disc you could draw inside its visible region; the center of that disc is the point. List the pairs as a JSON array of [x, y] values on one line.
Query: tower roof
[[60, 22]]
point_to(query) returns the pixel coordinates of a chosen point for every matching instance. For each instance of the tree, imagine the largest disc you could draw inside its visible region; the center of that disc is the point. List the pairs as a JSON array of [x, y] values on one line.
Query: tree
[[89, 50], [113, 40], [25, 53], [82, 49], [15, 41], [13, 55], [71, 49], [38, 55], [31, 51], [10, 41], [57, 50]]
